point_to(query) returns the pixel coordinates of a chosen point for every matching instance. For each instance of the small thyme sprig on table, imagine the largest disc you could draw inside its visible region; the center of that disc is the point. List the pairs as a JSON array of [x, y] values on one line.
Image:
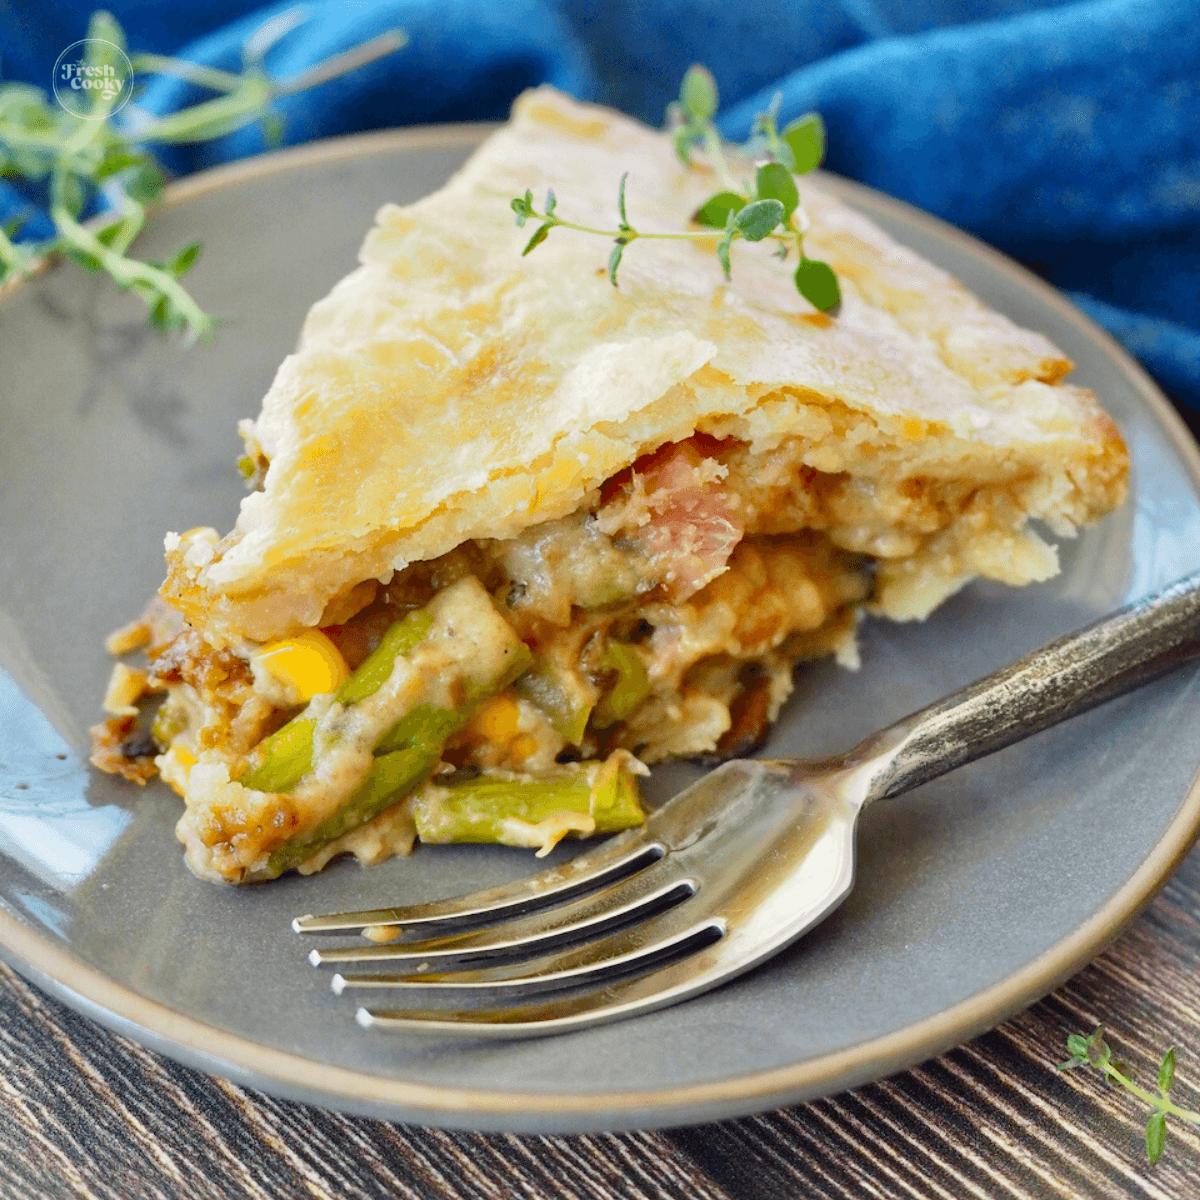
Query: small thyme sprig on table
[[1094, 1051], [768, 208], [78, 159]]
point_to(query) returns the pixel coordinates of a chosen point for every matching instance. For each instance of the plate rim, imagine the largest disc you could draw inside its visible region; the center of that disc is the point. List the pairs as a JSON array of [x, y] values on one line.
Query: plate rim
[[290, 1075]]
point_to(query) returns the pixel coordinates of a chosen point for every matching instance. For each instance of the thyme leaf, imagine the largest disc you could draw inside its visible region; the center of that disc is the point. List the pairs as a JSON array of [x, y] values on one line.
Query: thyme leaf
[[716, 208], [805, 138]]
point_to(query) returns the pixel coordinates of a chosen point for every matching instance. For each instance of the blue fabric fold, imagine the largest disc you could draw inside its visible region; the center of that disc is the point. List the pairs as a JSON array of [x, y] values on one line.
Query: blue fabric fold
[[465, 60], [1069, 138], [1068, 135]]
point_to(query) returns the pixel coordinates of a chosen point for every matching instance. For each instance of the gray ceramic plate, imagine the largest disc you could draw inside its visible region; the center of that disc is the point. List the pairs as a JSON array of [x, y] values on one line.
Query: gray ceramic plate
[[976, 894]]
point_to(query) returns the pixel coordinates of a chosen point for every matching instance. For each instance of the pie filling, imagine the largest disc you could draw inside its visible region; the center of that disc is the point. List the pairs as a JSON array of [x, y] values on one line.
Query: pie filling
[[510, 691]]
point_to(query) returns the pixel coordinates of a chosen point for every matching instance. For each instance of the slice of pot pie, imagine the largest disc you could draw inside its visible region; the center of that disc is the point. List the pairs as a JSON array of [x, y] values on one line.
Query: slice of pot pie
[[517, 532]]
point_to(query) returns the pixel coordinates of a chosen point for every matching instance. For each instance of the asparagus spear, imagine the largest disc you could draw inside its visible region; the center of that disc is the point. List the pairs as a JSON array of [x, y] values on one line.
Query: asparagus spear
[[392, 777], [570, 701], [400, 640], [491, 809], [630, 689], [562, 694], [428, 723], [407, 753], [287, 753]]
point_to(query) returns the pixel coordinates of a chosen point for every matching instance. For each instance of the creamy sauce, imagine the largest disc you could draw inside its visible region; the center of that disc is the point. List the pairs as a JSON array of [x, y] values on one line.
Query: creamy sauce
[[570, 563], [468, 642]]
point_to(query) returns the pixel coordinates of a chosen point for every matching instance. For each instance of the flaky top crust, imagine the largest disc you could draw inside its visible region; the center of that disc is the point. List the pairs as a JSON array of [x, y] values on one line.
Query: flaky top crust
[[449, 388]]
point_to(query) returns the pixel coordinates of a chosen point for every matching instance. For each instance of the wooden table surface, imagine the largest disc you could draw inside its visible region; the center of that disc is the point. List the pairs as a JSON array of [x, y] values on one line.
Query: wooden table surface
[[87, 1113]]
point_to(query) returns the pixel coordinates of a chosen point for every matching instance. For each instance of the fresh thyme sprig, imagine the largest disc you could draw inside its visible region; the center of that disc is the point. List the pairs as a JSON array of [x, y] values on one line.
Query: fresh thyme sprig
[[1094, 1051], [82, 159], [768, 208], [753, 222]]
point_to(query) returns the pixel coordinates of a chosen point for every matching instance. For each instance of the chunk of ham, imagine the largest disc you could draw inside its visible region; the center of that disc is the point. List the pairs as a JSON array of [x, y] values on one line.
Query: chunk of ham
[[672, 505]]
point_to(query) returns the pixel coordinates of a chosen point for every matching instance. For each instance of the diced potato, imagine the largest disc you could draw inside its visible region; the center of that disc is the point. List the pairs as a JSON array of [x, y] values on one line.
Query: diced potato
[[125, 688]]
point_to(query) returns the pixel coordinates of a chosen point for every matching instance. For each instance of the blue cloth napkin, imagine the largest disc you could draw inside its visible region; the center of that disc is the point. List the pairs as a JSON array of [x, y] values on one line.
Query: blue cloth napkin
[[1068, 135]]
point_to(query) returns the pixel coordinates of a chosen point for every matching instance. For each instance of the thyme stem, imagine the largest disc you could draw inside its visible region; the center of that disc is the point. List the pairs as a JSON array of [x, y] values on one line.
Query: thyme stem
[[10, 254], [129, 272], [627, 235], [211, 118], [209, 77], [1162, 1103], [716, 156]]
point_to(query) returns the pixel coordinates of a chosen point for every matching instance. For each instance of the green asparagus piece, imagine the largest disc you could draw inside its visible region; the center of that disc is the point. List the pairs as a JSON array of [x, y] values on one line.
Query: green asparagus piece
[[427, 723], [392, 777], [400, 640], [424, 725], [631, 688], [475, 810], [562, 695], [287, 753], [287, 760], [404, 756]]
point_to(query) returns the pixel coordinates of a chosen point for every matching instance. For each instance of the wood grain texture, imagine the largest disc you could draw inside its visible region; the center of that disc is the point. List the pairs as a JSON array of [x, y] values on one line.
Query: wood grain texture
[[84, 1113]]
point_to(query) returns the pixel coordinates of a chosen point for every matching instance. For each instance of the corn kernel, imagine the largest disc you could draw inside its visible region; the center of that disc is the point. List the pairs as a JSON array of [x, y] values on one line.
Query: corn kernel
[[175, 766], [497, 721], [308, 664], [523, 746]]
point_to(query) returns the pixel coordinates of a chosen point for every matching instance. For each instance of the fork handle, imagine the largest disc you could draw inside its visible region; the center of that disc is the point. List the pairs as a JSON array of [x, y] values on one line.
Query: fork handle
[[1117, 654]]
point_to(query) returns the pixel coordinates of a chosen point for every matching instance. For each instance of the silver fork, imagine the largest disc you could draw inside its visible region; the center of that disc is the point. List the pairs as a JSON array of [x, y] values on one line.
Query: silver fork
[[731, 870]]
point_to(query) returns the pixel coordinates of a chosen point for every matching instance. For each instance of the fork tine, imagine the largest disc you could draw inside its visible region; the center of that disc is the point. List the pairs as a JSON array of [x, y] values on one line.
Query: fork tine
[[635, 994], [623, 855], [528, 939], [591, 974]]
